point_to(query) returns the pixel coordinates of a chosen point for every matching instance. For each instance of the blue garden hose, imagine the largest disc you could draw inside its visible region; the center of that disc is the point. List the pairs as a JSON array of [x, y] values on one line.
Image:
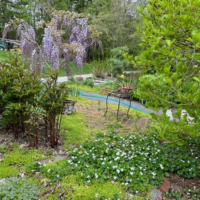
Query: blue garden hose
[[102, 97]]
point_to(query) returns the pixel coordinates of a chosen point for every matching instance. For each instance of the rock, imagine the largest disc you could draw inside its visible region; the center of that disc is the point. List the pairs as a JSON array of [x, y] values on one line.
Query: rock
[[58, 157], [155, 193], [165, 185], [2, 181], [23, 146]]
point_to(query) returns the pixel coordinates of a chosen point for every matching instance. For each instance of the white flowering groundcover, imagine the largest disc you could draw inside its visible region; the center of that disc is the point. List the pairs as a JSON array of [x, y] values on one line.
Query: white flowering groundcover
[[136, 161]]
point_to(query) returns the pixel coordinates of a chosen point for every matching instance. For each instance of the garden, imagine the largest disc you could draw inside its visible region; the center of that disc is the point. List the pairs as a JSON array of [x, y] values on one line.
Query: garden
[[84, 114]]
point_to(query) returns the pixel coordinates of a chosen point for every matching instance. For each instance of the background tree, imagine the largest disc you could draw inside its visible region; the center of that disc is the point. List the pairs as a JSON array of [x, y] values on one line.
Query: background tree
[[9, 9], [117, 20]]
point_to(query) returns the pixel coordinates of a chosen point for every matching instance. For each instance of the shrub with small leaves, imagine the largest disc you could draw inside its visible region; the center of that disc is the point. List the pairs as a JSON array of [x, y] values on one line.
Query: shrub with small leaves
[[18, 188]]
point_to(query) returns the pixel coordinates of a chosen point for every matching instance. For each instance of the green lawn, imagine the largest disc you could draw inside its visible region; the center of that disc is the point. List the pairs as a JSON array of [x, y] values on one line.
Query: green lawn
[[3, 54], [86, 69]]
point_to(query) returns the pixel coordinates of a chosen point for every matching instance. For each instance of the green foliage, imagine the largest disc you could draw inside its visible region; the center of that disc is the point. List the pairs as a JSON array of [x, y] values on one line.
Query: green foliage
[[193, 194], [100, 68], [19, 157], [156, 82], [25, 99], [117, 62], [8, 171], [3, 149], [121, 159], [75, 130], [171, 50], [78, 86], [117, 20], [184, 160], [78, 190], [89, 82], [86, 69], [3, 54], [9, 9], [18, 188]]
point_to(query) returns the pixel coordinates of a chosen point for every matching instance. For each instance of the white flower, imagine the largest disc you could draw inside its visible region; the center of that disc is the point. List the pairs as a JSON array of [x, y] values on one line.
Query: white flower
[[96, 176], [48, 170], [118, 171], [141, 173], [44, 165], [96, 195], [115, 177], [153, 173], [161, 166], [131, 173]]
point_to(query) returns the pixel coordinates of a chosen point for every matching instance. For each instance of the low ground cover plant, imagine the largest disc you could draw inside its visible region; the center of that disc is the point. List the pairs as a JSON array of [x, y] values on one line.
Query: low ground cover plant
[[137, 162], [14, 159], [18, 188]]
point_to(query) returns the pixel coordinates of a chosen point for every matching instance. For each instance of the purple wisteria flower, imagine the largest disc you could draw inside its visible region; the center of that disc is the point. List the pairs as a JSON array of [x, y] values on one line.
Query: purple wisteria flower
[[55, 58], [35, 61], [66, 59], [27, 44], [47, 43], [31, 34]]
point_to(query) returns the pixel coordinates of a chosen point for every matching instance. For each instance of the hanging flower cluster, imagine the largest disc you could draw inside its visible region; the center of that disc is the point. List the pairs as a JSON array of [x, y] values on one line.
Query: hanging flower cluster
[[74, 28]]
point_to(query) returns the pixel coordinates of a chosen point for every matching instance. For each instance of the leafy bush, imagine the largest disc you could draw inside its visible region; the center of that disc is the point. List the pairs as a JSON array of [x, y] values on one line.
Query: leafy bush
[[26, 98], [89, 81], [117, 62], [163, 54], [184, 160], [18, 188], [100, 68], [153, 81]]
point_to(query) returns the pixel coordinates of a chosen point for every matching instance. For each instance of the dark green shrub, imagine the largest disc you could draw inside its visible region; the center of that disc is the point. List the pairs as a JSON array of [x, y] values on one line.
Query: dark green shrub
[[89, 81], [27, 100], [117, 62]]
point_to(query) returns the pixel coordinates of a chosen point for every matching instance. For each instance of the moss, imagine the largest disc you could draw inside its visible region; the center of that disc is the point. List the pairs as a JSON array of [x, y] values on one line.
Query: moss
[[75, 130], [78, 190], [20, 157], [6, 172], [3, 149], [81, 87]]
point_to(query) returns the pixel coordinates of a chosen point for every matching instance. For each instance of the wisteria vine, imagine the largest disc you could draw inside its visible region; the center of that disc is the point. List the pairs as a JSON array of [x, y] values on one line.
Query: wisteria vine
[[54, 47]]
